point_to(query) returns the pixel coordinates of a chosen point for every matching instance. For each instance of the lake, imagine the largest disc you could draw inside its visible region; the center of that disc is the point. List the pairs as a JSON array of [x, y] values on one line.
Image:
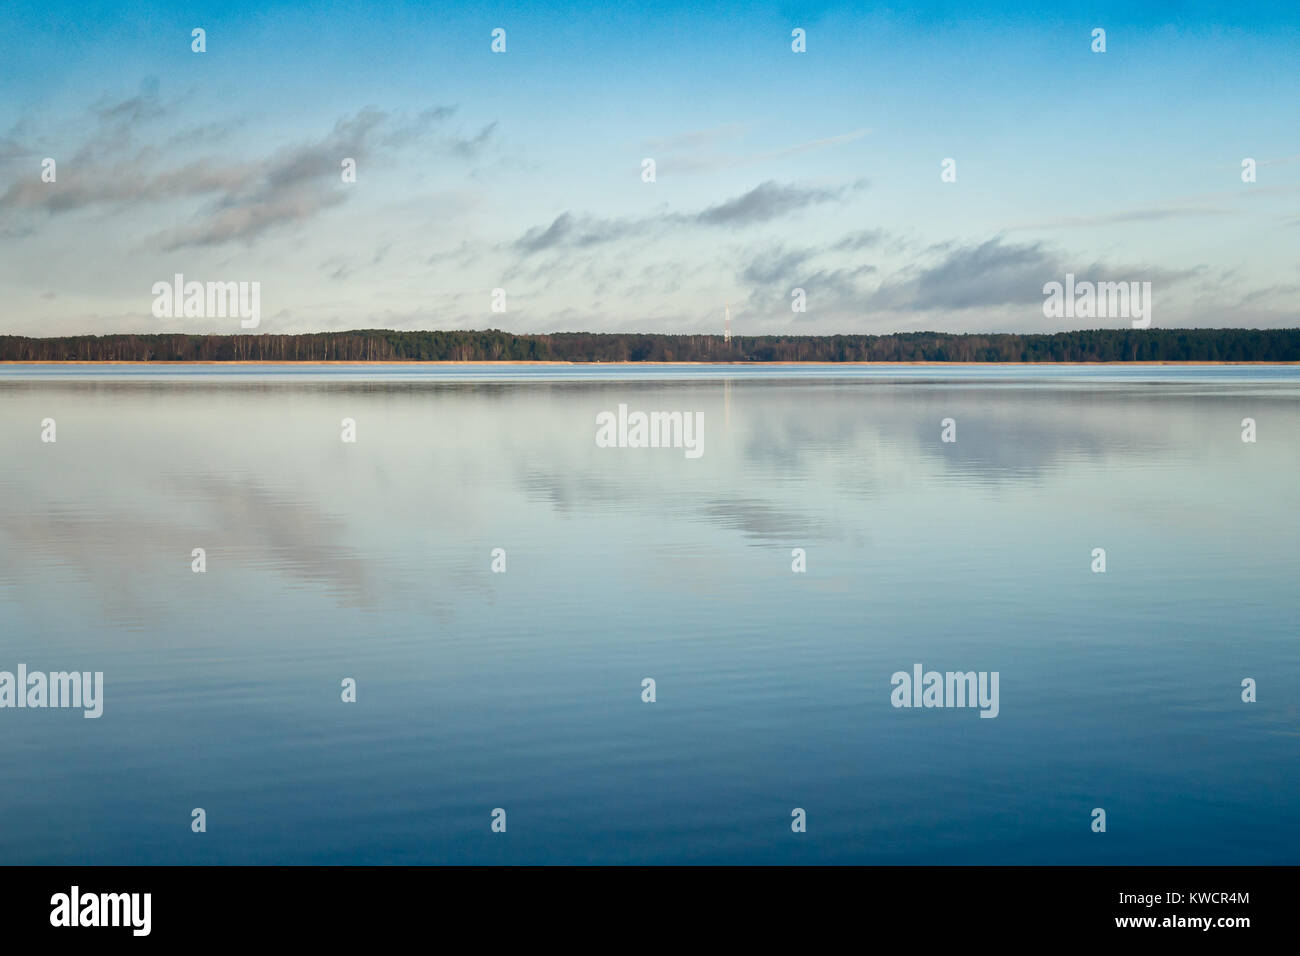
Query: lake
[[513, 678]]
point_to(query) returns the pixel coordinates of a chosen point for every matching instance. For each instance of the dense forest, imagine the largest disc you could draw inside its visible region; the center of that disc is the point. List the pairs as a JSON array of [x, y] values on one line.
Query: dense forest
[[1098, 345]]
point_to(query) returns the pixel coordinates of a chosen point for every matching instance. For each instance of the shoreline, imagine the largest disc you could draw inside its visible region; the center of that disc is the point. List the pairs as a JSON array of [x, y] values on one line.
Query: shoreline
[[418, 362]]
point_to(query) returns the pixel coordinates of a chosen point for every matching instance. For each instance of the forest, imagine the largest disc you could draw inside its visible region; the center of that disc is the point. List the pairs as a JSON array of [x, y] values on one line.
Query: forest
[[375, 345]]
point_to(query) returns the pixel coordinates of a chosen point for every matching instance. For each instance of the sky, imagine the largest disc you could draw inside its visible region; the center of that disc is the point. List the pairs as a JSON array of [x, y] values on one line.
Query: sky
[[524, 170]]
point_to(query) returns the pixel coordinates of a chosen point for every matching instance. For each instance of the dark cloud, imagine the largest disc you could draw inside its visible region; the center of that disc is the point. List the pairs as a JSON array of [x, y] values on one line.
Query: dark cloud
[[569, 230], [836, 286], [827, 291], [114, 127], [989, 274], [292, 186], [866, 239], [999, 273], [246, 197], [775, 265], [766, 201], [133, 110], [419, 129], [473, 146]]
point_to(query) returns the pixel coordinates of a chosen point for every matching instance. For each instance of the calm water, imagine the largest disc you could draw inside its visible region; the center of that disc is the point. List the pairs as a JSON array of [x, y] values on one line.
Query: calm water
[[522, 690]]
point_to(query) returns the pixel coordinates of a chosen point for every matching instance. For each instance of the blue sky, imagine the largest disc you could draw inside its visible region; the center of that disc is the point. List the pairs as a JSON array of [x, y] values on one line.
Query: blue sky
[[775, 170]]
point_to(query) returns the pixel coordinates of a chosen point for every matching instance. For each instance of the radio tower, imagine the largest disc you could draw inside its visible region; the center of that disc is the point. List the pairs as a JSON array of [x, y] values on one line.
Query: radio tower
[[726, 332]]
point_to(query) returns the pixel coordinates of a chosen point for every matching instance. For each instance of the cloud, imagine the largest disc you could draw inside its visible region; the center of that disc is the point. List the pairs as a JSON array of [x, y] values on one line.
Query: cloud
[[776, 265], [246, 221], [999, 273], [292, 186], [114, 126], [246, 198], [831, 276], [865, 239], [471, 147], [949, 277], [134, 110], [82, 187], [570, 230], [419, 129], [989, 274], [766, 201], [773, 273]]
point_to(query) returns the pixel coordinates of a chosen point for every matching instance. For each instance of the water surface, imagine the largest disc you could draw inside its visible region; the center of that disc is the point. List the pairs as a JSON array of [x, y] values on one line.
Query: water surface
[[522, 690]]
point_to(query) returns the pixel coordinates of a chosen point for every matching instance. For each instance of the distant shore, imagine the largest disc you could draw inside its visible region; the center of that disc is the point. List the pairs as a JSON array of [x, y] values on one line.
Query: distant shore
[[580, 364], [494, 347]]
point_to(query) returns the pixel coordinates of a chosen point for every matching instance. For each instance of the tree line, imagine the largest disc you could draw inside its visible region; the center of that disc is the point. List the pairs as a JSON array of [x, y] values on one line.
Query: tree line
[[377, 345]]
